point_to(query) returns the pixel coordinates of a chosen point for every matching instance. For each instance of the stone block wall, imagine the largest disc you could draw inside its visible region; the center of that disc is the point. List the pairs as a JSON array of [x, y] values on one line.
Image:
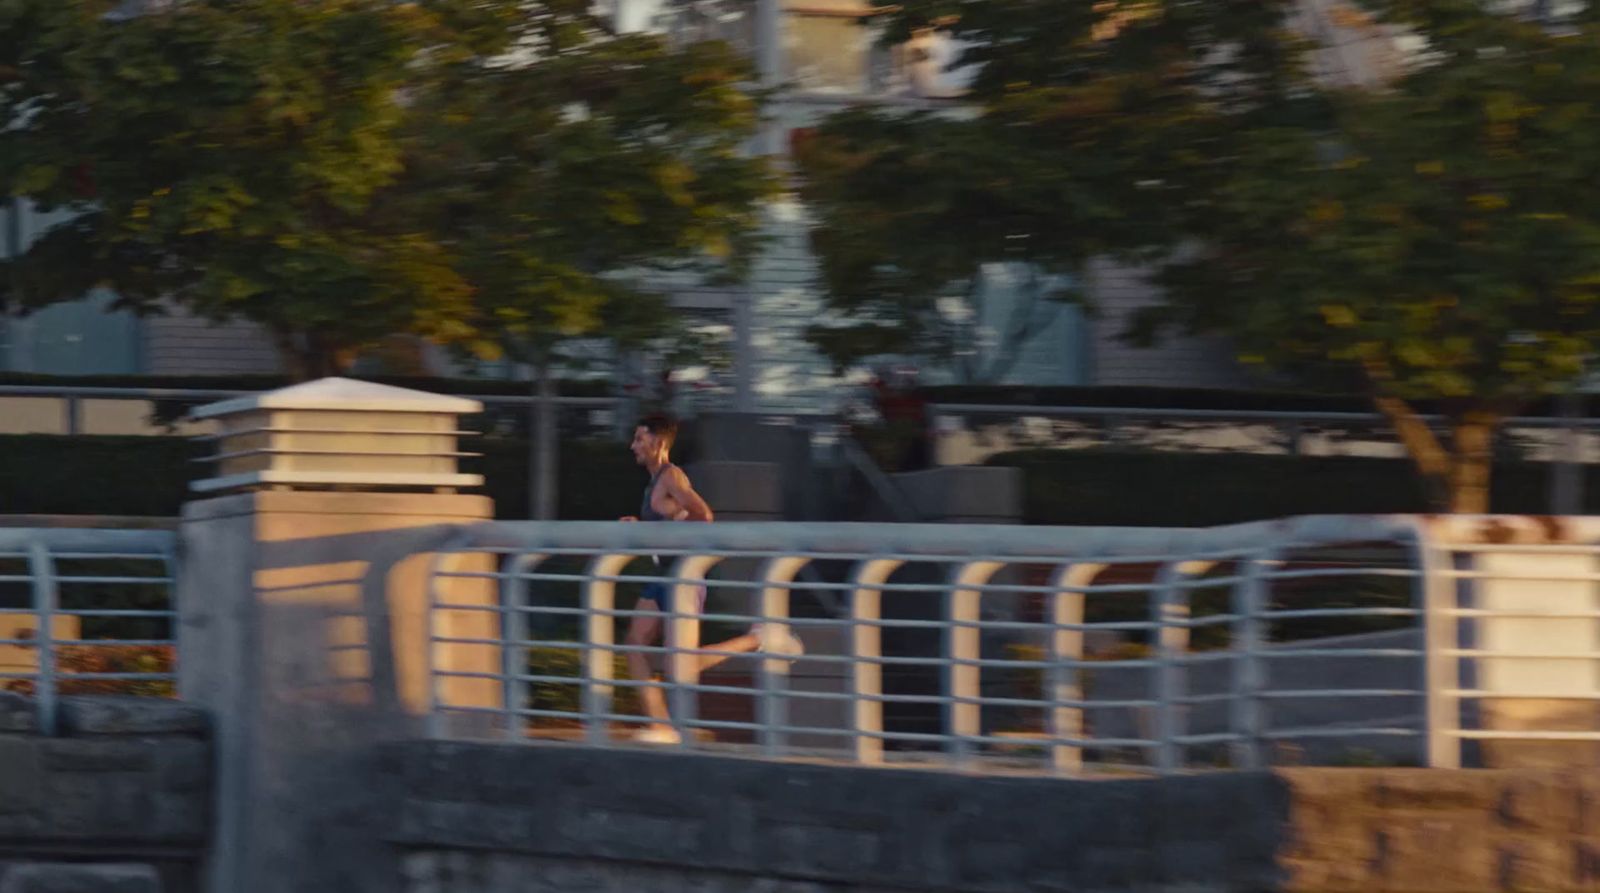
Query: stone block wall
[[507, 819], [512, 819], [119, 802], [1441, 831]]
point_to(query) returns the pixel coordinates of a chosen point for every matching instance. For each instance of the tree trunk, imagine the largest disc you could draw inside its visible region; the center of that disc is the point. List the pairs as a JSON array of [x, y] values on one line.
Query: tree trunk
[[542, 472], [1473, 460], [308, 356], [1431, 457], [296, 361]]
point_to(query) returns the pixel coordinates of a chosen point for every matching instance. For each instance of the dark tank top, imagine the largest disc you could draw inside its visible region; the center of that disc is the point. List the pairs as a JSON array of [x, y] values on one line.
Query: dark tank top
[[647, 510]]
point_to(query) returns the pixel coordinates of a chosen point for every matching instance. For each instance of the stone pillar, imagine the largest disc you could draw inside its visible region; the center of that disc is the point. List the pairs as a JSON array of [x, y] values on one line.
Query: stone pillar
[[305, 623]]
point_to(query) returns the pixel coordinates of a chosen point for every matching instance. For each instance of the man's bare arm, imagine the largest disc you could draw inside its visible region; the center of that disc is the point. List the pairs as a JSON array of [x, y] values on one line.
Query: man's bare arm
[[682, 492]]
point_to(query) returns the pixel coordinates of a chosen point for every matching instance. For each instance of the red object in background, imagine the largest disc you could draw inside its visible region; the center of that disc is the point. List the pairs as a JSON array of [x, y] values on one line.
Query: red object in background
[[83, 181], [800, 139], [897, 405]]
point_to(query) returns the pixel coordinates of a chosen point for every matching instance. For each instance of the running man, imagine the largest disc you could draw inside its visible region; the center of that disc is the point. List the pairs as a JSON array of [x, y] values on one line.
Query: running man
[[670, 497]]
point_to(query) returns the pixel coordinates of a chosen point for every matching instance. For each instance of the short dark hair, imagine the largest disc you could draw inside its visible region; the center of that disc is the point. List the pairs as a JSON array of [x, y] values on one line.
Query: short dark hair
[[663, 426]]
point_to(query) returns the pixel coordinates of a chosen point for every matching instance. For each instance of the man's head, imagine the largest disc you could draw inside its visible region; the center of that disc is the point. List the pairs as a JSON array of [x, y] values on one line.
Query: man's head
[[653, 437]]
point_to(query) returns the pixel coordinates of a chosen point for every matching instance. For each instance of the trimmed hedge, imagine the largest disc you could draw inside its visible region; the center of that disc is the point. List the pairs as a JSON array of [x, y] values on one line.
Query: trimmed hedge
[[149, 476], [1143, 489]]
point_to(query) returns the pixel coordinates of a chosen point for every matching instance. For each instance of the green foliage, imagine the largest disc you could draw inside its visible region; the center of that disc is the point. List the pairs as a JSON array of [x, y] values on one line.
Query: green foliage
[[235, 156], [903, 269], [572, 182], [479, 172], [566, 697], [1434, 237], [1440, 236], [86, 659], [1085, 134]]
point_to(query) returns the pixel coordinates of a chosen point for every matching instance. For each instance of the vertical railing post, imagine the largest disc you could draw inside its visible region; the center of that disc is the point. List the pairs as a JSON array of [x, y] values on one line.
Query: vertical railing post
[[866, 652], [773, 708], [1171, 614], [514, 636], [600, 639], [171, 563], [964, 653], [435, 722], [41, 568], [1435, 595], [1064, 687], [1246, 714], [72, 411], [683, 640]]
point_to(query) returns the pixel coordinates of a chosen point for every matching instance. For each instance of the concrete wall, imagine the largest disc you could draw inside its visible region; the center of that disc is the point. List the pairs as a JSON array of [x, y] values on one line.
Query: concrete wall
[[121, 803], [510, 819]]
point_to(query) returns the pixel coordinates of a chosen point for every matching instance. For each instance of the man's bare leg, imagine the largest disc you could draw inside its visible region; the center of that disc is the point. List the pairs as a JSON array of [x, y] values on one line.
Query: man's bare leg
[[644, 631], [732, 648], [772, 640]]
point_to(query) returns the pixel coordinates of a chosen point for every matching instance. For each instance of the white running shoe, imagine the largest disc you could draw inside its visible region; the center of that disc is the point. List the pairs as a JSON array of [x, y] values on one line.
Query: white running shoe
[[777, 641], [658, 735]]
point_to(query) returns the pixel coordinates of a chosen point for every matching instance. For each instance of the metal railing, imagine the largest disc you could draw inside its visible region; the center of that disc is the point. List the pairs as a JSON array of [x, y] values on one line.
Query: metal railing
[[73, 416], [966, 433], [1323, 639], [86, 612]]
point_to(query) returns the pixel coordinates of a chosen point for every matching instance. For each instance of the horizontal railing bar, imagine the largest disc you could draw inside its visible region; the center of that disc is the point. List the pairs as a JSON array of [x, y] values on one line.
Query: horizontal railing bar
[[112, 643], [115, 581], [1313, 573], [1297, 694], [1520, 577], [823, 586], [1526, 614], [1205, 699], [64, 675], [1504, 735], [1044, 558], [1339, 612], [1523, 695], [1208, 738], [1288, 652], [114, 612], [1258, 416], [312, 584], [1382, 731], [1518, 655]]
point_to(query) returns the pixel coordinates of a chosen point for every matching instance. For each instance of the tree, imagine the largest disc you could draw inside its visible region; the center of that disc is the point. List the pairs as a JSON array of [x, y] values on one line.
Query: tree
[[904, 270], [1064, 150], [235, 157], [580, 176], [497, 174], [1435, 239]]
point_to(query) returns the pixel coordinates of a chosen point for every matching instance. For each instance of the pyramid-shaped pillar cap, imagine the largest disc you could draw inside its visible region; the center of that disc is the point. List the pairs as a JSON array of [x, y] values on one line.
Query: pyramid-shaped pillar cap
[[346, 394], [338, 433]]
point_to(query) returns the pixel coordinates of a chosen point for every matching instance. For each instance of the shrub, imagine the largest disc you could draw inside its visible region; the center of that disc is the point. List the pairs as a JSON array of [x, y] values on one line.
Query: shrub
[[74, 659], [568, 697]]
